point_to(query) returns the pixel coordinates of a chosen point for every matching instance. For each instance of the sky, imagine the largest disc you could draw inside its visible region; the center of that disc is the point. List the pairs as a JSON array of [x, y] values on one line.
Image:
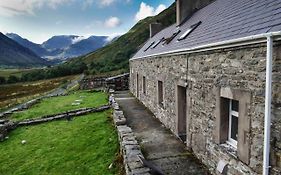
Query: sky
[[38, 20]]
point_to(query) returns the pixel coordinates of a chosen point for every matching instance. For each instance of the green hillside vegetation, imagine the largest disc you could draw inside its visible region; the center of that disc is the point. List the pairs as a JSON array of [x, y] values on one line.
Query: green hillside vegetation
[[115, 56]]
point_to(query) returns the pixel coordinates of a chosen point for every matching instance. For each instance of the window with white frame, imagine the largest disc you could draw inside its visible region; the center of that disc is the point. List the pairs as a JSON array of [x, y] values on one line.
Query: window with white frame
[[233, 123]]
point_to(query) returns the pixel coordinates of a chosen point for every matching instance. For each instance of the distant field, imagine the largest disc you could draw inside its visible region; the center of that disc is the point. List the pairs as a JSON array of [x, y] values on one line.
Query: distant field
[[76, 100], [16, 72], [13, 94]]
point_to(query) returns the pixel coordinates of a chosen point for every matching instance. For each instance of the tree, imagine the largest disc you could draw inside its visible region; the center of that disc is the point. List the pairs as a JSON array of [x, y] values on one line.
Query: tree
[[2, 80], [12, 79]]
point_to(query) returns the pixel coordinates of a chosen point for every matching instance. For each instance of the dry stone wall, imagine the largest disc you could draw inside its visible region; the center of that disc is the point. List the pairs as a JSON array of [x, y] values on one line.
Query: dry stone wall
[[202, 74], [129, 146]]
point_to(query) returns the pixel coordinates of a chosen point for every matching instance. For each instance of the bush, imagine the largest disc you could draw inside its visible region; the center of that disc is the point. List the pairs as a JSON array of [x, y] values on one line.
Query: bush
[[2, 80], [13, 79]]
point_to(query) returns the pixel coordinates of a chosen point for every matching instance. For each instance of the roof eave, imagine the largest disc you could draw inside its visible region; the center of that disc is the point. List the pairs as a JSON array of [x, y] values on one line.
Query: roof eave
[[249, 40]]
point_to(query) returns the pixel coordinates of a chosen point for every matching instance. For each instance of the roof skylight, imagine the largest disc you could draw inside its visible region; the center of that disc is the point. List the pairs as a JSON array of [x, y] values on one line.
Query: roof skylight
[[168, 40], [189, 30], [156, 44], [149, 46]]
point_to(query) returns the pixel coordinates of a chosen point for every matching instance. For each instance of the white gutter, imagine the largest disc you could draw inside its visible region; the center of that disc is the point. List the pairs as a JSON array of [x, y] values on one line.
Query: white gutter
[[267, 113], [261, 38], [254, 39]]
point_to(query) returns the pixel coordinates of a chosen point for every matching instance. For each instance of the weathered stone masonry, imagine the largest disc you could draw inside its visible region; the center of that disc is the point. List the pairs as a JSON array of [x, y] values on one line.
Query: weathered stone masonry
[[207, 76]]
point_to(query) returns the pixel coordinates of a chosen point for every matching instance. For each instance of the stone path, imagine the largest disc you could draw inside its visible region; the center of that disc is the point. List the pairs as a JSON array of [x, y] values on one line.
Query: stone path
[[158, 144]]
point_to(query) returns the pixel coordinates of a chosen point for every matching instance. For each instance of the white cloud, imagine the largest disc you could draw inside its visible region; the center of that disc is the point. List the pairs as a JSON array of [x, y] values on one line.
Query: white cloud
[[112, 36], [147, 10], [79, 38], [112, 22], [106, 2], [27, 7], [160, 9]]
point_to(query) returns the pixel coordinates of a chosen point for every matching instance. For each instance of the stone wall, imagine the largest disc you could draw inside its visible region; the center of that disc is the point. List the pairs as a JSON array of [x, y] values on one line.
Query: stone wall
[[129, 147], [203, 74], [92, 83]]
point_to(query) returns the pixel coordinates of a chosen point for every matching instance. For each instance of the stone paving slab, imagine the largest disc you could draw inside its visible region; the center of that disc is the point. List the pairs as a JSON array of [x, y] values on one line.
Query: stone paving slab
[[158, 144]]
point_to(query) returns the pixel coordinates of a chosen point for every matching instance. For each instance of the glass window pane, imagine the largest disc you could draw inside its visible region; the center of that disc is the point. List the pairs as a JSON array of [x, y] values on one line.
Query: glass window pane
[[234, 127], [235, 105]]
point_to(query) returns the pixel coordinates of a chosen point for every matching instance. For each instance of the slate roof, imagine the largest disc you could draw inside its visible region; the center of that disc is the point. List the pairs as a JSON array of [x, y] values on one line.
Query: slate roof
[[221, 20]]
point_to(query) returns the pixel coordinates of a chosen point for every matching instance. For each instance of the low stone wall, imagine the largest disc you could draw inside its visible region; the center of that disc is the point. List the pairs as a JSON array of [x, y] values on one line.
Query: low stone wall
[[66, 115], [129, 146], [6, 126], [20, 107]]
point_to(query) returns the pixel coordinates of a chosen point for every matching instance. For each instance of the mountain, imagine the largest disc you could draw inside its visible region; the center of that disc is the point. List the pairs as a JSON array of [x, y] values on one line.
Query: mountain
[[62, 47], [85, 46], [13, 54], [59, 42], [36, 48], [115, 56]]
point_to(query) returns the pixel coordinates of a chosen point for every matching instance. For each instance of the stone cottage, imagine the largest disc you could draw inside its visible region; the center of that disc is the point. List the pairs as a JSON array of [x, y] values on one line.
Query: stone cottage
[[214, 79]]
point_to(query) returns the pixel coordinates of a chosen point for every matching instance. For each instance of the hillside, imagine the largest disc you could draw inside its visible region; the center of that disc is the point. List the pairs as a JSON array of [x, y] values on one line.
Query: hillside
[[36, 48], [115, 56], [13, 54]]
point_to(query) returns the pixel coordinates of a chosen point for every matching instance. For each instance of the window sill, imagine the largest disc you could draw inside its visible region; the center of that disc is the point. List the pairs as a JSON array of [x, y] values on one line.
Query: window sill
[[229, 149]]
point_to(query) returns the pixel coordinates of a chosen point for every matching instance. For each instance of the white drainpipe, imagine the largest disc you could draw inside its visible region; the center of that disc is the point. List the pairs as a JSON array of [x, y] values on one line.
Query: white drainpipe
[[267, 116]]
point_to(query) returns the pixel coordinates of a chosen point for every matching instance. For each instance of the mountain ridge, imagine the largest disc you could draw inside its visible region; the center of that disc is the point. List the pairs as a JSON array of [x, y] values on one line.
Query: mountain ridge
[[63, 47], [12, 54]]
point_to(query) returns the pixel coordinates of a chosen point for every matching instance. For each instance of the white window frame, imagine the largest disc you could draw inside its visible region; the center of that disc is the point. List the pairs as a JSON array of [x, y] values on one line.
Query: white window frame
[[231, 141]]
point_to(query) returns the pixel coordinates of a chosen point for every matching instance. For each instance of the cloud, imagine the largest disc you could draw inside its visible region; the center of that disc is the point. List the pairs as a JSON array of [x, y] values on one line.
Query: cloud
[[27, 7], [112, 22], [147, 10], [78, 39], [113, 36], [106, 2]]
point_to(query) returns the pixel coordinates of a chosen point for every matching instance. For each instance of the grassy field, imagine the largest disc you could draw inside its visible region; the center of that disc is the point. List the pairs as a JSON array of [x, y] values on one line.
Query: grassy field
[[13, 94], [15, 72], [63, 103], [86, 145]]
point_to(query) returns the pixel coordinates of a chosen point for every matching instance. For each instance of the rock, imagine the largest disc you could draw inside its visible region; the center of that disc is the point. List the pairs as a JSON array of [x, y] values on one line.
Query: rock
[[75, 104], [110, 166]]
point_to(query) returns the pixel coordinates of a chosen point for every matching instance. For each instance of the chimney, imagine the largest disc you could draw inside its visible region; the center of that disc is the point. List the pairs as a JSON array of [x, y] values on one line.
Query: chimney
[[155, 28], [185, 8]]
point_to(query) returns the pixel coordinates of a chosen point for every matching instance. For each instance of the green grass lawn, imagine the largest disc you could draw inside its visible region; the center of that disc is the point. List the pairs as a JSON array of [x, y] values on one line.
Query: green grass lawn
[[62, 104], [86, 145]]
